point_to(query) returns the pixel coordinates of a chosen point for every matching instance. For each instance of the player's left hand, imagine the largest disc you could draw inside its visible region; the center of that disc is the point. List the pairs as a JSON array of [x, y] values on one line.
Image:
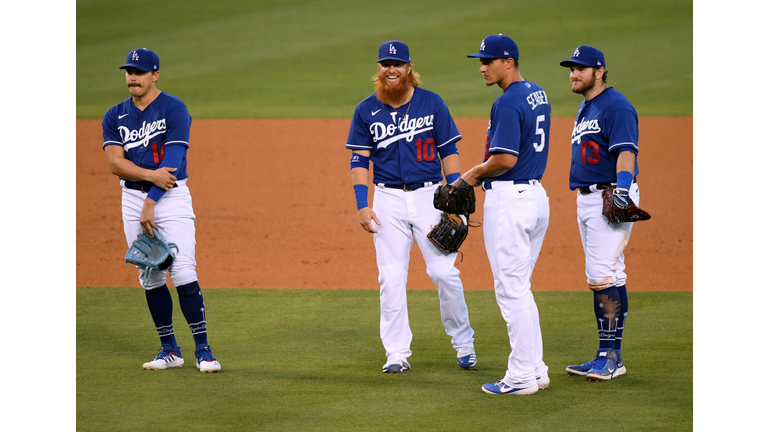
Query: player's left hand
[[367, 218], [620, 197], [147, 219]]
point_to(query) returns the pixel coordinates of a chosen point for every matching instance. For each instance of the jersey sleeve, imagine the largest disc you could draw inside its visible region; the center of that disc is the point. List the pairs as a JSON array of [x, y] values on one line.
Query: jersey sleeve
[[446, 132], [109, 129], [178, 124], [623, 131], [359, 138], [505, 130]]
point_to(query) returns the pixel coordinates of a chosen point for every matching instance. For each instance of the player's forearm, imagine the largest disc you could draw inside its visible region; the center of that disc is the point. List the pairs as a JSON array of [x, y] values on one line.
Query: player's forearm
[[495, 166], [359, 167], [626, 162], [359, 176], [126, 169], [451, 166]]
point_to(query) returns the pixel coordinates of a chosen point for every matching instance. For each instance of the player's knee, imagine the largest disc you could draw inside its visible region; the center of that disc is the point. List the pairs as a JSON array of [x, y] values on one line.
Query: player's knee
[[188, 289], [183, 274], [599, 285], [444, 276], [151, 279]]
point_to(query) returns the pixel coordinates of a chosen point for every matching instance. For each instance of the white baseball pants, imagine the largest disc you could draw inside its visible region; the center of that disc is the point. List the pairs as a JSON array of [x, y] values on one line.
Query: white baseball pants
[[515, 220], [603, 243], [406, 216], [175, 219]]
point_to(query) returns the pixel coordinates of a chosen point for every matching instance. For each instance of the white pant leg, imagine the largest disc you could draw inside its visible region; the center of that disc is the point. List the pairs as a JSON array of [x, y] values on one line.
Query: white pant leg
[[393, 243], [441, 268], [603, 243], [516, 218], [175, 219]]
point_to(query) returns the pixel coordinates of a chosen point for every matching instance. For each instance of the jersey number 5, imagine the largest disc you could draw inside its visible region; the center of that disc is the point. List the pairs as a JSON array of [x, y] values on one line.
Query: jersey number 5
[[539, 131], [593, 149]]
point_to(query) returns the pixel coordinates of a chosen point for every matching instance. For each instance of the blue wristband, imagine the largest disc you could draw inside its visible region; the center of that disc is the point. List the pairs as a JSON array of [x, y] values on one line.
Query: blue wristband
[[624, 179], [450, 178], [361, 195]]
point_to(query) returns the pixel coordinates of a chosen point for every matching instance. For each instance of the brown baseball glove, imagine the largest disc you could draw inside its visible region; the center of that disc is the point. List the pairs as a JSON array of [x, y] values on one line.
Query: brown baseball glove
[[449, 233], [458, 200], [620, 208]]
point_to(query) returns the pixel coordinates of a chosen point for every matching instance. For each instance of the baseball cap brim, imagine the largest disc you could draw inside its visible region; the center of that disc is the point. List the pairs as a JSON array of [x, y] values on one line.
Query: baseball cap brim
[[135, 66], [481, 55], [569, 63], [400, 59]]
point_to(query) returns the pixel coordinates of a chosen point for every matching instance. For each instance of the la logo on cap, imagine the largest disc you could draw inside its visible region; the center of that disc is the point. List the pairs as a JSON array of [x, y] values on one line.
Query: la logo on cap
[[482, 45], [576, 53], [135, 56], [392, 49]]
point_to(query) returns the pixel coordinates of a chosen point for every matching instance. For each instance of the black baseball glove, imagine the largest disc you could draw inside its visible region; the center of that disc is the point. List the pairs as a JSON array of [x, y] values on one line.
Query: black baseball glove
[[620, 207], [457, 200], [449, 233]]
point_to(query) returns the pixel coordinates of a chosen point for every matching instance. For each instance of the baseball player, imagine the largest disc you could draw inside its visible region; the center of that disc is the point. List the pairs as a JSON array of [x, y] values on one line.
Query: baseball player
[[145, 139], [409, 135], [604, 145], [516, 207]]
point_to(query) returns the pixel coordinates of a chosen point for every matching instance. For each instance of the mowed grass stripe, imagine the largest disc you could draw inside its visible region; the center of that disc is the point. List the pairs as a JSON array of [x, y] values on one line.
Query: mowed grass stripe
[[313, 59]]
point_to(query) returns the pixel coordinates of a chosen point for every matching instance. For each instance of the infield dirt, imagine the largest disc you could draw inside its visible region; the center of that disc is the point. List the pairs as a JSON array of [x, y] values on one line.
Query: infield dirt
[[275, 209]]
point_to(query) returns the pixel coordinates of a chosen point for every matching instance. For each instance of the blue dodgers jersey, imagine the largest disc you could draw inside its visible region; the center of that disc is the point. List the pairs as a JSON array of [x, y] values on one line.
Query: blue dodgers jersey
[[604, 127], [145, 134], [519, 125], [405, 148]]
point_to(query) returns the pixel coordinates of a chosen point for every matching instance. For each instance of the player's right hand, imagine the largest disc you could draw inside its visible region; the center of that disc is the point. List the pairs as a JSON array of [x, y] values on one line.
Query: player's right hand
[[366, 217], [163, 178]]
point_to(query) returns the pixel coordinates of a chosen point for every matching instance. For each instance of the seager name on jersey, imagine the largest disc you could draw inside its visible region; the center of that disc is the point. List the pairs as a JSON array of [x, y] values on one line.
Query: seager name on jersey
[[537, 98], [582, 128], [142, 135], [407, 127]]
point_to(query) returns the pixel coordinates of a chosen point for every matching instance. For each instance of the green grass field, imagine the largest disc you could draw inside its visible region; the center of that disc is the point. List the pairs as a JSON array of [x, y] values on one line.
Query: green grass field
[[311, 360], [313, 59]]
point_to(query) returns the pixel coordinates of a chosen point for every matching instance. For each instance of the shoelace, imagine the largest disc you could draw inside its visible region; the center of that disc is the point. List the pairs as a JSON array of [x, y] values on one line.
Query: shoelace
[[162, 353], [204, 354], [600, 363]]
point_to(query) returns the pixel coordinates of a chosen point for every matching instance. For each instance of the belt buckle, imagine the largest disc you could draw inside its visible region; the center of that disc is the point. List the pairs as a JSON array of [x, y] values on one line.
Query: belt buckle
[[405, 187]]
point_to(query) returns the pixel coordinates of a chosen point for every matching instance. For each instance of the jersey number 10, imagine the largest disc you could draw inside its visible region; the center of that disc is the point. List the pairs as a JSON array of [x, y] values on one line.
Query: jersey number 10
[[425, 151]]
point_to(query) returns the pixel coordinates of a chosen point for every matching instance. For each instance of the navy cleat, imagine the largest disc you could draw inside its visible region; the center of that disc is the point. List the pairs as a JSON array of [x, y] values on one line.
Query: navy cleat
[[205, 360], [605, 367], [167, 357], [466, 357], [499, 387], [395, 366]]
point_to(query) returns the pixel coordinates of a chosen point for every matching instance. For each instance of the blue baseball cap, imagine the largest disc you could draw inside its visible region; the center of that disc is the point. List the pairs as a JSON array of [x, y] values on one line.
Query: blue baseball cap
[[497, 46], [585, 55], [394, 50], [143, 60]]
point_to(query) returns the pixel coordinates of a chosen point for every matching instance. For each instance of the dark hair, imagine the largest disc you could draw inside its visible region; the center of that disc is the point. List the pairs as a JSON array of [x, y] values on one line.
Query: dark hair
[[605, 76], [486, 61]]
